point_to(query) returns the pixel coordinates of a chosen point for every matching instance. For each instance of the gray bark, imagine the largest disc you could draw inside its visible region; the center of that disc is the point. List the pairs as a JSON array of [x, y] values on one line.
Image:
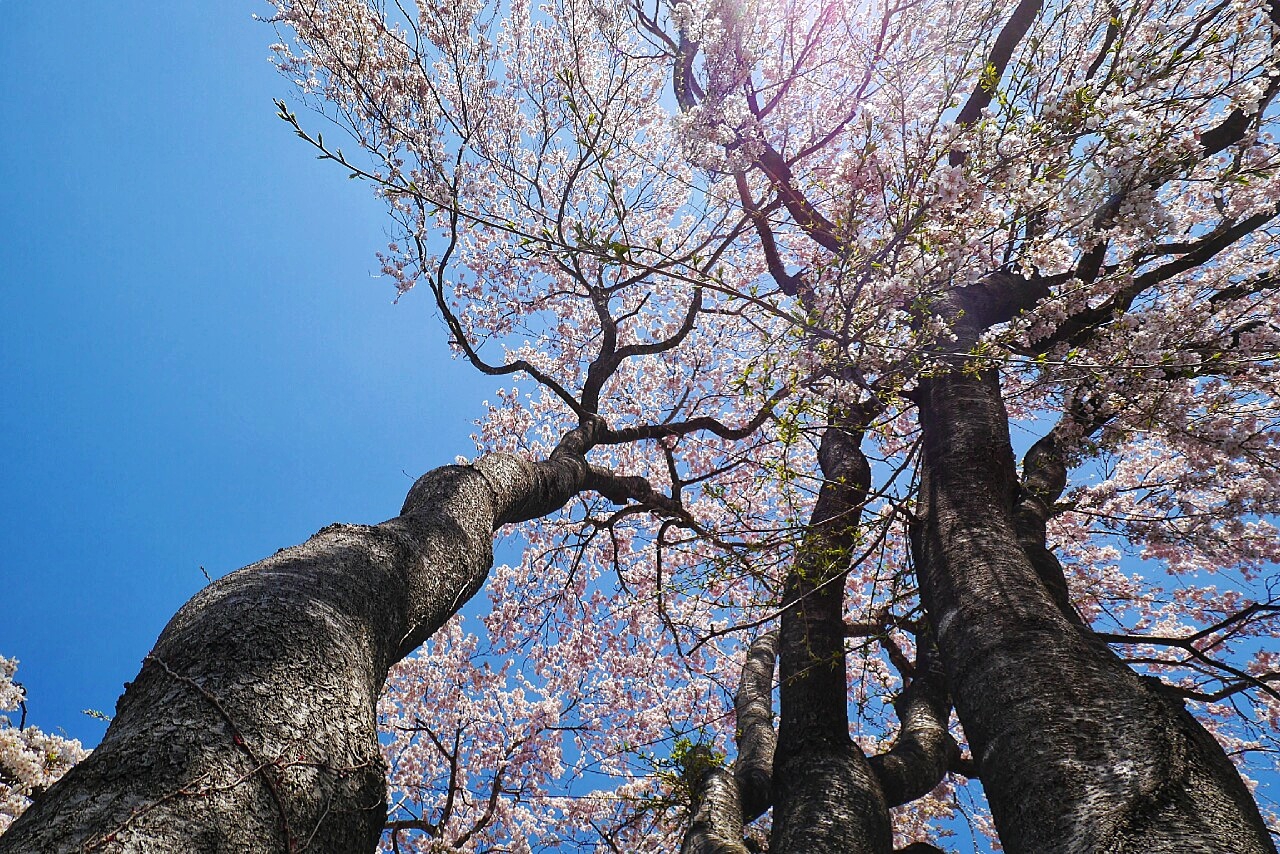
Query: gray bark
[[924, 748], [717, 826], [1075, 752], [756, 738], [724, 801], [251, 726], [827, 796]]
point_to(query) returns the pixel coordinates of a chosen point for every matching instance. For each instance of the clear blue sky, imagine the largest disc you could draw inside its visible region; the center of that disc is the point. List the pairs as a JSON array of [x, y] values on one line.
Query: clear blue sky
[[198, 365]]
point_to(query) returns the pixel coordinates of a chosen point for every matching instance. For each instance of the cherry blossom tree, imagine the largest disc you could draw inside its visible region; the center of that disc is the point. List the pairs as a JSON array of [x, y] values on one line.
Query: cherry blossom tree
[[891, 429], [30, 760]]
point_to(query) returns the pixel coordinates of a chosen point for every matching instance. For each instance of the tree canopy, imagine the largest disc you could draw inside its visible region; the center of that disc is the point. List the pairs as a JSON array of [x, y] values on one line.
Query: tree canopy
[[925, 347]]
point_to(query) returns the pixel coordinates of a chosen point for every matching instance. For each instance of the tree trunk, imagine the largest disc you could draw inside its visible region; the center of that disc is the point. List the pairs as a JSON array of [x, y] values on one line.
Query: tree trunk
[[251, 726], [724, 801], [826, 798], [1074, 751]]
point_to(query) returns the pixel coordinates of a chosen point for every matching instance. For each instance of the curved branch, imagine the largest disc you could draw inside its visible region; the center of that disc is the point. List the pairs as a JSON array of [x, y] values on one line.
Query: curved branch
[[694, 425], [459, 337], [611, 356], [753, 704], [924, 749], [295, 649]]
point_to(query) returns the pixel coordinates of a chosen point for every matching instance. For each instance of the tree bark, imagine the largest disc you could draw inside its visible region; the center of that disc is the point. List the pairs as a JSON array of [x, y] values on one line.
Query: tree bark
[[1075, 752], [756, 738], [251, 726], [924, 748], [717, 824], [724, 801], [826, 797]]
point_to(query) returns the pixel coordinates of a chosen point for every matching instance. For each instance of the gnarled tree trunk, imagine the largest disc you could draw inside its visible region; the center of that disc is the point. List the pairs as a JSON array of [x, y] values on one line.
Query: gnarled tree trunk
[[1075, 751], [251, 727]]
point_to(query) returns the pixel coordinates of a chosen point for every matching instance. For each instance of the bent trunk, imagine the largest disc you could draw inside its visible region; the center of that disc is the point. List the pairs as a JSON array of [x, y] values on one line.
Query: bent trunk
[[826, 798], [1074, 751], [251, 727]]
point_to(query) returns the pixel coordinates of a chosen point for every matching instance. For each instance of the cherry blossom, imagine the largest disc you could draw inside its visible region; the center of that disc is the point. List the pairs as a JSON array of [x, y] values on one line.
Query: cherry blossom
[[30, 760]]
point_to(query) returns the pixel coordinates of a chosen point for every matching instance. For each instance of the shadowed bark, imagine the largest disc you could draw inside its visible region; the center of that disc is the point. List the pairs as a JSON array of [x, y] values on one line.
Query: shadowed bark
[[1075, 752], [251, 726], [826, 797], [924, 748]]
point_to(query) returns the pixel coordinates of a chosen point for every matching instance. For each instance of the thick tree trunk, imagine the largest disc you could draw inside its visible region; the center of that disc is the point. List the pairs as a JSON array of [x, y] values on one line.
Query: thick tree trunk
[[827, 799], [1075, 752], [251, 727]]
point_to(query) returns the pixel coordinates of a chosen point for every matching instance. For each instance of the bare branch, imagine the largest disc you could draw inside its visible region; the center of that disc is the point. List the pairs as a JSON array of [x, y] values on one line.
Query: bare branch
[[1191, 644], [924, 749], [694, 425]]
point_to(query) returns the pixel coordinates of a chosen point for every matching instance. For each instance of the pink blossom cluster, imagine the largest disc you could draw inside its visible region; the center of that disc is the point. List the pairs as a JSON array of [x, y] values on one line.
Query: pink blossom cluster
[[30, 760]]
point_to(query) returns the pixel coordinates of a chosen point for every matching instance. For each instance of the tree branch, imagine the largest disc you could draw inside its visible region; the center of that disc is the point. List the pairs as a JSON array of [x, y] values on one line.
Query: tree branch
[[694, 425], [716, 827], [924, 749], [997, 60], [756, 738], [1076, 328]]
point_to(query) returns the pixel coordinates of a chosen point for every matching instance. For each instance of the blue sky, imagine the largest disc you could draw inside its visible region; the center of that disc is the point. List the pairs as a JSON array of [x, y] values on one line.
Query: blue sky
[[198, 363]]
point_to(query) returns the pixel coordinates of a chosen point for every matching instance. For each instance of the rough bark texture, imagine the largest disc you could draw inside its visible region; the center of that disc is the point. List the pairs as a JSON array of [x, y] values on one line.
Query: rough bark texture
[[1044, 476], [826, 797], [717, 820], [251, 726], [756, 738], [924, 749], [1075, 752], [725, 801]]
